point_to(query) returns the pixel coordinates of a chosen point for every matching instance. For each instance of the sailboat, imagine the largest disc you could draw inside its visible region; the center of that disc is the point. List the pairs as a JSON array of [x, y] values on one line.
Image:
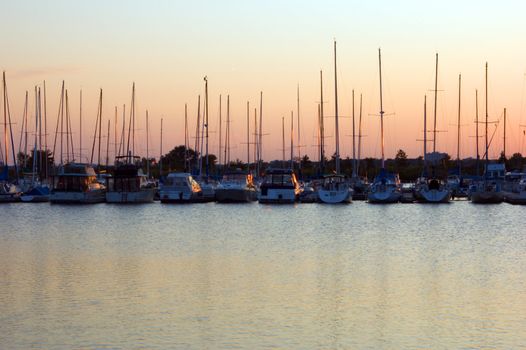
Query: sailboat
[[489, 190], [430, 189], [9, 192], [36, 191], [129, 184], [386, 185], [74, 182], [335, 187], [237, 185]]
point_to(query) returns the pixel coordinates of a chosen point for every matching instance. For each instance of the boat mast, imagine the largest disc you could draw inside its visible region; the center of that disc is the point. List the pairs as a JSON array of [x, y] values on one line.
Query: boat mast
[[108, 146], [260, 128], [299, 134], [80, 125], [291, 140], [477, 129], [337, 130], [161, 152], [147, 146], [35, 145], [322, 136], [206, 125], [45, 133], [25, 129], [100, 126], [354, 172], [486, 127], [425, 134], [458, 126], [283, 140], [115, 136], [359, 138], [504, 151], [186, 141], [381, 108], [123, 131], [67, 128], [248, 136], [22, 133], [220, 130], [227, 132], [7, 119], [256, 148], [435, 107], [197, 133]]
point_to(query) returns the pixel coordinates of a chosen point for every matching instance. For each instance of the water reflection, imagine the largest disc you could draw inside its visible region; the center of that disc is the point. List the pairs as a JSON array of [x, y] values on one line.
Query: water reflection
[[251, 276]]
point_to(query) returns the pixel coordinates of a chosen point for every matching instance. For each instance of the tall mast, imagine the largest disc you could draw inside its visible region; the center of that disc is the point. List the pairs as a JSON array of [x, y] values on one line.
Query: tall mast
[[39, 121], [291, 139], [197, 132], [62, 124], [23, 132], [115, 136], [477, 129], [186, 137], [435, 107], [220, 129], [354, 173], [6, 146], [322, 132], [381, 108], [337, 130], [256, 148], [80, 126], [283, 140], [227, 132], [45, 132], [260, 127], [108, 146], [123, 131], [26, 126], [359, 138], [504, 151], [7, 120], [248, 136], [425, 133], [132, 119], [299, 134], [206, 125], [100, 128], [34, 166], [486, 93], [161, 152], [458, 126], [147, 146], [67, 128]]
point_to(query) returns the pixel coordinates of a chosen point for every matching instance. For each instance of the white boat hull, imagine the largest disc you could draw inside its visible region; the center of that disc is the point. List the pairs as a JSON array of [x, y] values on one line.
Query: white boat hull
[[143, 196], [384, 196], [334, 197], [433, 196], [277, 195], [96, 196]]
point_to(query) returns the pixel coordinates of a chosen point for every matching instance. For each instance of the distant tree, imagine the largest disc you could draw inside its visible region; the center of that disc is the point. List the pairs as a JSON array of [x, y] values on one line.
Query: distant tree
[[400, 159], [515, 162]]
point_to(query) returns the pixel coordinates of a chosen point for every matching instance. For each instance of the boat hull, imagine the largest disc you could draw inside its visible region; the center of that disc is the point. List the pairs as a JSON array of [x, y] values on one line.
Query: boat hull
[[487, 197], [34, 198], [433, 196], [334, 197], [277, 196], [143, 196], [234, 195], [387, 196], [91, 197], [515, 197]]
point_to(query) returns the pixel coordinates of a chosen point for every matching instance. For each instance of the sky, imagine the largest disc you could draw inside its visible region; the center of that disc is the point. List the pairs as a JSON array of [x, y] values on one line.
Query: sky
[[248, 47]]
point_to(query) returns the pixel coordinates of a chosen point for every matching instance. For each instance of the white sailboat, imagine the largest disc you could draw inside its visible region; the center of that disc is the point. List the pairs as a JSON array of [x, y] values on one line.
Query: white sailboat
[[386, 185], [431, 189], [488, 191], [336, 187]]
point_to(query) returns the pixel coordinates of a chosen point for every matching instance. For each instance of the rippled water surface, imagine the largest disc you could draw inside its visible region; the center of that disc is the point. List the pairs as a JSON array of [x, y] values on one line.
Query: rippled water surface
[[253, 276]]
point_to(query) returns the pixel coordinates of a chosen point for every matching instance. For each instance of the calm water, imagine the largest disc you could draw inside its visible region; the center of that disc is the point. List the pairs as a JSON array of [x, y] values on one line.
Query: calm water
[[252, 276]]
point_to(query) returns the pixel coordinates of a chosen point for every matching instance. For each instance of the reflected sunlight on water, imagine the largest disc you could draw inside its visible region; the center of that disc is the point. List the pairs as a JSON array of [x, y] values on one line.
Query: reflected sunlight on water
[[253, 276]]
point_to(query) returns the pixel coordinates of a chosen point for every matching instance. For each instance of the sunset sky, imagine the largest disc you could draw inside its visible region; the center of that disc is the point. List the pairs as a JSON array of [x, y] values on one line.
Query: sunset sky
[[244, 47]]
